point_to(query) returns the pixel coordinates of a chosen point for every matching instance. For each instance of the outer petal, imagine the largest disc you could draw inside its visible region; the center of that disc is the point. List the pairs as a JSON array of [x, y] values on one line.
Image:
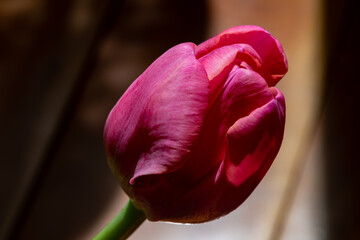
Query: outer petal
[[221, 61], [251, 146], [243, 92], [197, 187], [269, 49], [253, 143], [154, 125]]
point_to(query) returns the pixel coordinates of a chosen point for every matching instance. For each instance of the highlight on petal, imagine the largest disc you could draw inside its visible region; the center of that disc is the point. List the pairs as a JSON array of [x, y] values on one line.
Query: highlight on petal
[[274, 62], [243, 91], [221, 61], [224, 58], [154, 125]]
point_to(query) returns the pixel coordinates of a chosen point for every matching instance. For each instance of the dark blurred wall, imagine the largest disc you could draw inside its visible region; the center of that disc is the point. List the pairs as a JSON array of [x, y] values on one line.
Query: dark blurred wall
[[342, 119], [63, 65], [45, 48]]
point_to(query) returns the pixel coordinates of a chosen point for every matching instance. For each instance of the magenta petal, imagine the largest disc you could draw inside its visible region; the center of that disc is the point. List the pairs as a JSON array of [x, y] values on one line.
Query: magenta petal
[[154, 125], [269, 49], [259, 135], [253, 143], [219, 62], [194, 135], [243, 91]]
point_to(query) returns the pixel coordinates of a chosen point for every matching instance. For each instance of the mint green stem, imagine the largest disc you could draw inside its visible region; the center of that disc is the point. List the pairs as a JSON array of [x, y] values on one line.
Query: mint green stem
[[123, 225]]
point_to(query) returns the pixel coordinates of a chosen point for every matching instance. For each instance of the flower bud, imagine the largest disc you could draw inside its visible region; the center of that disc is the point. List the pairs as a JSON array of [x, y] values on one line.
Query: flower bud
[[197, 131]]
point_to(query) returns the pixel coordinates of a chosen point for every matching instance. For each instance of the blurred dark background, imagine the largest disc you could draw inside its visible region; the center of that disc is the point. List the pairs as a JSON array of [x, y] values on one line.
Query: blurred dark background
[[64, 64], [342, 117]]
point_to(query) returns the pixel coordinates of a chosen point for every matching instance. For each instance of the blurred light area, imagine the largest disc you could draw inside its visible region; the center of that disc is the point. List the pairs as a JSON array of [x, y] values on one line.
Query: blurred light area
[[308, 213]]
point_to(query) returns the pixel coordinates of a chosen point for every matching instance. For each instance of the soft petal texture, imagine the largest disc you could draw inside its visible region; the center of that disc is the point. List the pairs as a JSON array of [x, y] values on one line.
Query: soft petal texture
[[221, 61], [251, 146], [274, 64], [253, 143], [159, 117], [194, 135], [259, 134], [242, 95]]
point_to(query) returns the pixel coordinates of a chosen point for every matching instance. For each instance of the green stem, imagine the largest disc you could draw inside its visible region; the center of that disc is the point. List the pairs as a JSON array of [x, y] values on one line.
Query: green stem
[[123, 225]]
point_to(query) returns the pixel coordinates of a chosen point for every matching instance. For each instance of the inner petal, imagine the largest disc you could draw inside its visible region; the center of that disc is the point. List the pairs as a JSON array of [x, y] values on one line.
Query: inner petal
[[221, 60], [219, 63], [274, 64], [243, 91]]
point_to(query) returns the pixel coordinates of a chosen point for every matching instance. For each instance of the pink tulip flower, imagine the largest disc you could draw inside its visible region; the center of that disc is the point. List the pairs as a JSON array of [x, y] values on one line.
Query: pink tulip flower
[[197, 131]]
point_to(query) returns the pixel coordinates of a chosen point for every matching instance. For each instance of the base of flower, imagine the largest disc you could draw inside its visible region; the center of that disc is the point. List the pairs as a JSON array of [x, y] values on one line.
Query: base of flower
[[123, 225]]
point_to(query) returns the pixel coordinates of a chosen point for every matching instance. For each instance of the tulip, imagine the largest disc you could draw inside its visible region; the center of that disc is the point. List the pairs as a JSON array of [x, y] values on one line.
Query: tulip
[[197, 131]]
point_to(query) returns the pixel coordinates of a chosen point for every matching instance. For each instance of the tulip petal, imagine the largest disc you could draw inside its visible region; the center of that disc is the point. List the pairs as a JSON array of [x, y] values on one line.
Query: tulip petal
[[250, 138], [219, 62], [243, 92], [253, 143], [194, 135], [154, 125], [274, 63]]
